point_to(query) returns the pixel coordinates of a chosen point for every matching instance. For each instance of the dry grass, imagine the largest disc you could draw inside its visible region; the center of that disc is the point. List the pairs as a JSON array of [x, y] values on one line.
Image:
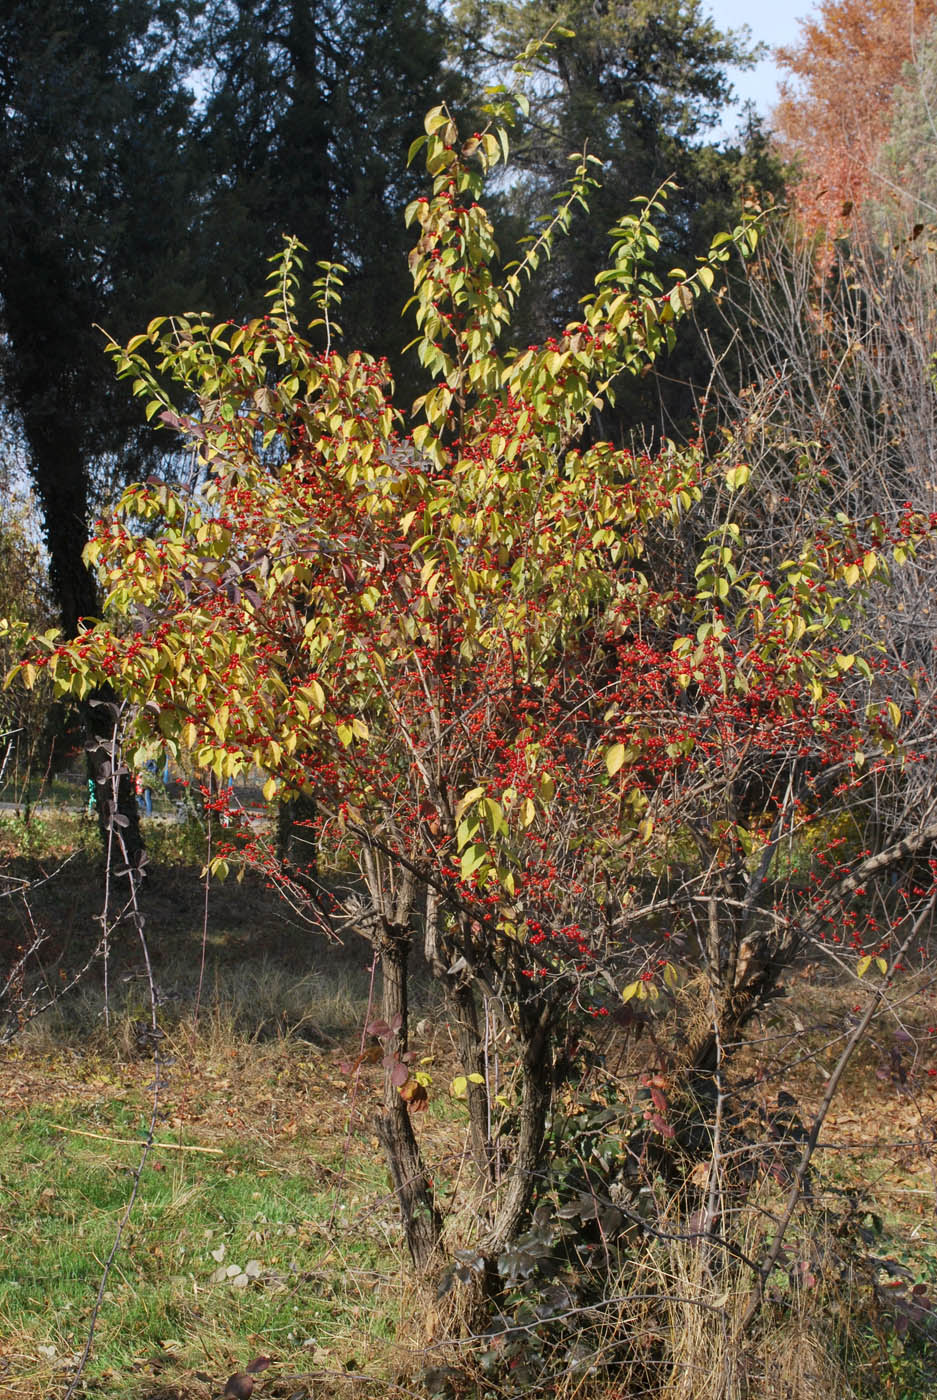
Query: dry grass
[[300, 1185]]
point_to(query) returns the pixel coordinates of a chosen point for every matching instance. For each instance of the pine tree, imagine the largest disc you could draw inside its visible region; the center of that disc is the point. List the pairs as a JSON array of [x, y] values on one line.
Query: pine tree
[[95, 195], [639, 84], [313, 106]]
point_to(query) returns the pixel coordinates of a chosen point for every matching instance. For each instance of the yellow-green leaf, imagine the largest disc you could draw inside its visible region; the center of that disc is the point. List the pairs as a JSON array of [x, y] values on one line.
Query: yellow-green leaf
[[614, 759]]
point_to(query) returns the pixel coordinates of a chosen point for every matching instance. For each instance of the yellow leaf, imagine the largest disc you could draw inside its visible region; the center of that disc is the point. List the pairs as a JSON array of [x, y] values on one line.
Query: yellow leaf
[[459, 1087], [614, 759], [314, 692], [738, 476], [270, 789], [863, 965], [468, 799], [882, 965], [630, 991]]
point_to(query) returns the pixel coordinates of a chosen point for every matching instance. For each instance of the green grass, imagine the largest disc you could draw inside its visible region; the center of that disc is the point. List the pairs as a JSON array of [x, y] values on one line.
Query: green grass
[[256, 1078], [321, 1230]]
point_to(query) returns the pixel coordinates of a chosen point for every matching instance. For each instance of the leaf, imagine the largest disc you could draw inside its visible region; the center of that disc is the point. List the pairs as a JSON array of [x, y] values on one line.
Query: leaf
[[494, 815], [614, 759], [468, 799], [882, 965], [414, 1095], [631, 990], [459, 1087], [472, 858], [863, 965]]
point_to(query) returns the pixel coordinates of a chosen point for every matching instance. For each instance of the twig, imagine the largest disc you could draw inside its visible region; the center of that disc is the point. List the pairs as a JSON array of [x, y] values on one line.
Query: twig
[[137, 1142], [204, 948], [810, 1146]]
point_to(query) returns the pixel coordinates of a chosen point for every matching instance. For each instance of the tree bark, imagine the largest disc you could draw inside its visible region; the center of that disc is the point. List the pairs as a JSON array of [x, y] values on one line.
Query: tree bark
[[422, 1222], [536, 1097], [464, 1013], [296, 840], [58, 469]]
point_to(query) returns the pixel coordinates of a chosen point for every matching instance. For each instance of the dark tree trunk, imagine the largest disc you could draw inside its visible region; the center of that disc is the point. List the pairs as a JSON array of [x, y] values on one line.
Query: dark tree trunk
[[62, 484], [536, 1097], [58, 469], [421, 1220], [463, 1012], [296, 837]]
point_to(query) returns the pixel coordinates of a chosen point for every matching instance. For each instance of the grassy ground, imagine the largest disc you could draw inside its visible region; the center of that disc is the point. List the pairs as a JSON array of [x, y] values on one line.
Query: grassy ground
[[282, 1238]]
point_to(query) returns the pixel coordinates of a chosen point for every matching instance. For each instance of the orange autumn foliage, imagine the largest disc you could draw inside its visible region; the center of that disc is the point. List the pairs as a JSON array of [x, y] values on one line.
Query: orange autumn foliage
[[835, 112]]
